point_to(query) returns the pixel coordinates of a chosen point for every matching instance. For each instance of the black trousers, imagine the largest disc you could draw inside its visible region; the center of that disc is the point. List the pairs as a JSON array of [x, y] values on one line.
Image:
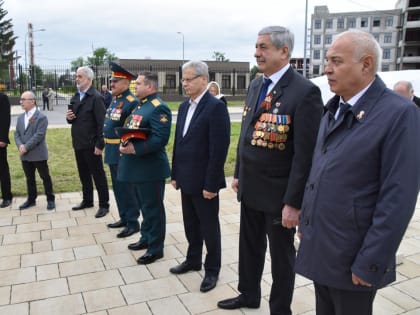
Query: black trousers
[[90, 165], [45, 101], [255, 226], [29, 168], [201, 224], [6, 191], [331, 301]]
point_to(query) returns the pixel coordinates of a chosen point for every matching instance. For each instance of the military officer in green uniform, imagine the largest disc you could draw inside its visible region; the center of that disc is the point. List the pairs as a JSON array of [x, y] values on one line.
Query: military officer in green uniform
[[120, 108], [145, 164]]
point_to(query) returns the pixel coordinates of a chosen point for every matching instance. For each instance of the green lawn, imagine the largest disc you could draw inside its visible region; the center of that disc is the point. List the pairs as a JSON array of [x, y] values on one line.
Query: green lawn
[[62, 163]]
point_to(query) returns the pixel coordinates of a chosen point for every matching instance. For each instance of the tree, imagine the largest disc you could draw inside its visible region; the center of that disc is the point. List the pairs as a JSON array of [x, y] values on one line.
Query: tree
[[219, 56], [77, 63], [7, 39], [99, 57], [253, 72]]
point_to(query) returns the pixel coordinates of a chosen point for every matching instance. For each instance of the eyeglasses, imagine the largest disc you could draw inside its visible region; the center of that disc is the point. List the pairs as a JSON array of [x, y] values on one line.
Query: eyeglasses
[[189, 80], [26, 99]]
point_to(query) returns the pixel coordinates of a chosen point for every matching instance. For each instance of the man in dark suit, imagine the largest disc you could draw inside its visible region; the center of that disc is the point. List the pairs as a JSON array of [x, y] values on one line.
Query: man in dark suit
[[201, 143], [86, 116], [364, 181], [121, 107], [144, 163], [405, 88], [31, 129], [274, 157], [6, 191]]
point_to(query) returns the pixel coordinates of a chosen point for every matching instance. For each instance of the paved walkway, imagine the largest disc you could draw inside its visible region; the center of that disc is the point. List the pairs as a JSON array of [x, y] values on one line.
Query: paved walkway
[[67, 262]]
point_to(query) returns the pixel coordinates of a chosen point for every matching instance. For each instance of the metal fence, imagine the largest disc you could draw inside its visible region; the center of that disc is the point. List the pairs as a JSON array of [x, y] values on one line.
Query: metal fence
[[61, 79]]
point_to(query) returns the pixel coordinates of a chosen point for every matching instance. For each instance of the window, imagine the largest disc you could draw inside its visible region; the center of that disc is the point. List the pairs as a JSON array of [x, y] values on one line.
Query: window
[[389, 21], [240, 82], [385, 67], [226, 81], [364, 22], [316, 70], [317, 54], [352, 22], [340, 23], [376, 22], [317, 24], [170, 81], [376, 35], [386, 53], [328, 23], [328, 39], [388, 38], [317, 39]]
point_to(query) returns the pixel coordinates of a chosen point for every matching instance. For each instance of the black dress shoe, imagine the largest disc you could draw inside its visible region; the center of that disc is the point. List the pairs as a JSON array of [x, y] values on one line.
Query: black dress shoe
[[27, 204], [237, 302], [5, 203], [101, 212], [149, 258], [50, 205], [137, 245], [126, 232], [118, 224], [184, 267], [209, 283], [83, 205]]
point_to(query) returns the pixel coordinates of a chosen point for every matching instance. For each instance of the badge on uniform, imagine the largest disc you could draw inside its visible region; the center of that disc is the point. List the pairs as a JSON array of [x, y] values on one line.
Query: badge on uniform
[[163, 118]]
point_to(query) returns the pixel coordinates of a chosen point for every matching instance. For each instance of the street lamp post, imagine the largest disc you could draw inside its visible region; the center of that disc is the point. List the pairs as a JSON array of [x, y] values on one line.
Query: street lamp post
[[30, 32], [182, 34], [180, 68], [305, 40]]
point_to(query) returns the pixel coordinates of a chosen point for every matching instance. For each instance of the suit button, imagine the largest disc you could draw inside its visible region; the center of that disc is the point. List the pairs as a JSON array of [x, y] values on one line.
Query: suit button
[[373, 268]]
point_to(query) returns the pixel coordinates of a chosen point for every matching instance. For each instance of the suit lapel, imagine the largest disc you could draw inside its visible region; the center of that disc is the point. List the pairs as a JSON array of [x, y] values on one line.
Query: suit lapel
[[31, 121], [182, 112], [197, 113]]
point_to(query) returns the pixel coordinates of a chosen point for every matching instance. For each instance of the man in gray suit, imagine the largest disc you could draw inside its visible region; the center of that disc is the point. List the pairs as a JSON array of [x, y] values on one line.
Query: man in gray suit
[[30, 134]]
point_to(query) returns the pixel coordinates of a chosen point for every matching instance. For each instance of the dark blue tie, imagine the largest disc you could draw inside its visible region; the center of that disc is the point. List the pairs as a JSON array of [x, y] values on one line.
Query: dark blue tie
[[344, 107], [263, 92]]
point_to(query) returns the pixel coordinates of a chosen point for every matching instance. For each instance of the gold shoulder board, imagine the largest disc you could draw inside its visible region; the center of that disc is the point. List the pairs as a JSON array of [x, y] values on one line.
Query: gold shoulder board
[[155, 102]]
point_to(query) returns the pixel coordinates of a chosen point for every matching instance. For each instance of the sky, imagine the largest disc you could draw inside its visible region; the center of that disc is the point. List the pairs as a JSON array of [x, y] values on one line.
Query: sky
[[139, 29]]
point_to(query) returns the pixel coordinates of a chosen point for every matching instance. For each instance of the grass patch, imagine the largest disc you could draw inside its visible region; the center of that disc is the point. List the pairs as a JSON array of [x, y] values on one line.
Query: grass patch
[[62, 162]]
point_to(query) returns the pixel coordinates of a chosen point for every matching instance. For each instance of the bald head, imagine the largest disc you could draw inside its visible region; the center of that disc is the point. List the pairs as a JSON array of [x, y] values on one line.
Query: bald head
[[405, 88]]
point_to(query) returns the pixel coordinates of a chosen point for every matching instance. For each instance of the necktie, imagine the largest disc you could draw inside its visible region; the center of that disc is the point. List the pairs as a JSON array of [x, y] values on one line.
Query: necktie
[[263, 92], [344, 107]]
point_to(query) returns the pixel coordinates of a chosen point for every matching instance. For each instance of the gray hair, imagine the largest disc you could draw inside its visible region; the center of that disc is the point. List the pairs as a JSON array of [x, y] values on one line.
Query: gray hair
[[364, 43], [87, 71], [407, 84], [280, 36], [200, 68]]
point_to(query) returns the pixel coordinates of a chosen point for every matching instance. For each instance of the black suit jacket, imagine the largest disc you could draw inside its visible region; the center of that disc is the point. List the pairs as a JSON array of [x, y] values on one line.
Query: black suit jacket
[[199, 157], [270, 177], [416, 100], [87, 127], [4, 118]]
